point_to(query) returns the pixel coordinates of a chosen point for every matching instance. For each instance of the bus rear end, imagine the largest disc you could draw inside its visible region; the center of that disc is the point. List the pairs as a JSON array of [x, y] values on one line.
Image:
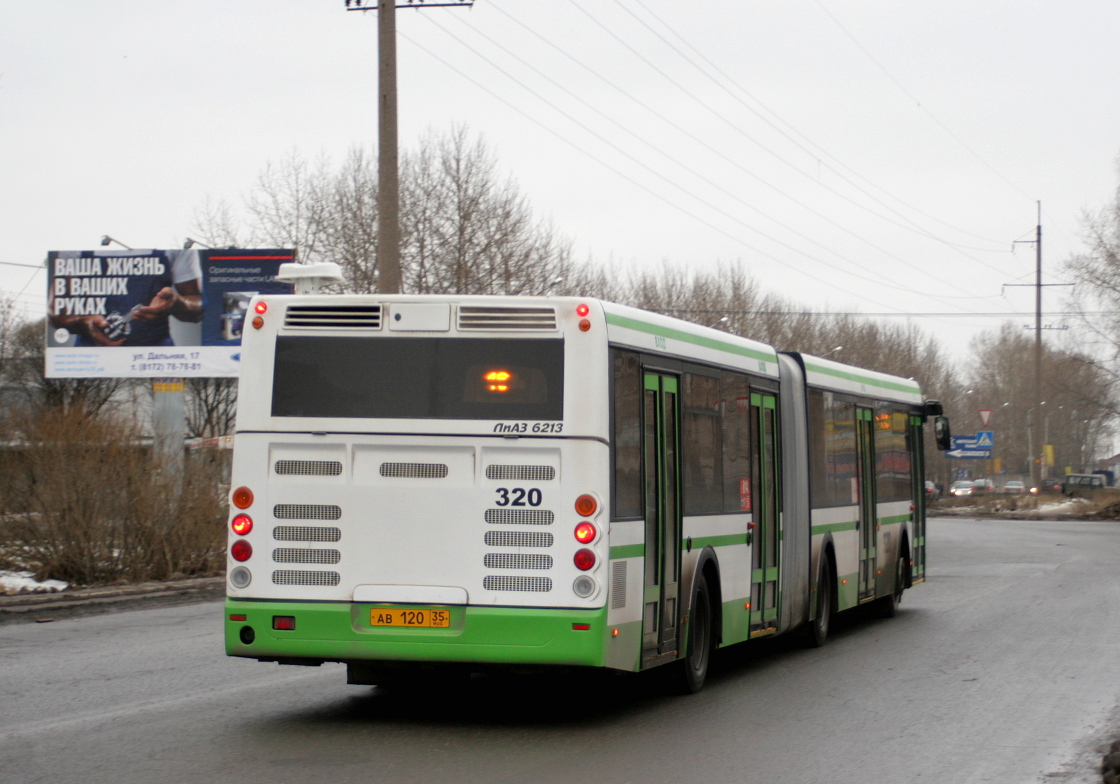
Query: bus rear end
[[420, 480]]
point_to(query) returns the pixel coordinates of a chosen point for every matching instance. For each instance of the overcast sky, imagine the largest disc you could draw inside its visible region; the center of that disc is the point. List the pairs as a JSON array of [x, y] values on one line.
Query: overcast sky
[[878, 157]]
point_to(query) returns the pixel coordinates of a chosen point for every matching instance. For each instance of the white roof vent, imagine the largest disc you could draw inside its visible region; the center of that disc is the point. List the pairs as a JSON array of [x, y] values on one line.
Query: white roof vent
[[309, 278]]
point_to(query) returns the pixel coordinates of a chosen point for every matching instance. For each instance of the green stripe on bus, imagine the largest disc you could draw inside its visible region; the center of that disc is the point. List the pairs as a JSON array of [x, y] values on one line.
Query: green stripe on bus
[[687, 337], [833, 527], [902, 518], [627, 551], [700, 542], [892, 385]]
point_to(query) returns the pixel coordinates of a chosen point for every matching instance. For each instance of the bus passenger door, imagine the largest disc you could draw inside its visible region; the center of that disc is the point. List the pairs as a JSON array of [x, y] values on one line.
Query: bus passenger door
[[766, 535], [868, 523], [917, 482], [660, 440]]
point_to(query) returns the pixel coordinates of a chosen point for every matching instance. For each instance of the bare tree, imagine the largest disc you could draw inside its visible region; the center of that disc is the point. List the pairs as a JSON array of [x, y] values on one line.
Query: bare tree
[[215, 225], [289, 207], [211, 406]]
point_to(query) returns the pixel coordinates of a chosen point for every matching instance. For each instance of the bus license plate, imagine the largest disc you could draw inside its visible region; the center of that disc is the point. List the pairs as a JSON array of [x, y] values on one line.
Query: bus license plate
[[428, 619]]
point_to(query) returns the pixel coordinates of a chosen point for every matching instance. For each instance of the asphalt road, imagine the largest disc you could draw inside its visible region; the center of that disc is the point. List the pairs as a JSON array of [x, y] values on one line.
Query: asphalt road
[[1003, 667]]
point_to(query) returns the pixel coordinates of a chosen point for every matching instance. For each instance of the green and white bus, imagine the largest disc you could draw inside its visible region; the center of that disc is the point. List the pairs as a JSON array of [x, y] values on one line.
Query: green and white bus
[[467, 482]]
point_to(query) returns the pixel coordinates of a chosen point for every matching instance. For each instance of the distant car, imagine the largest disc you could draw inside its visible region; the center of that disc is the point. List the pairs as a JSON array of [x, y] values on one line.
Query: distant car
[[932, 493], [1083, 485], [1014, 487], [983, 486], [961, 488], [1047, 486]]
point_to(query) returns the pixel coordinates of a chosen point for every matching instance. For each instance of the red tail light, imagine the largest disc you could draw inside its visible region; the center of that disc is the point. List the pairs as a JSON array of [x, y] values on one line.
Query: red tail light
[[584, 559], [284, 623], [585, 533], [241, 550], [261, 307], [242, 524]]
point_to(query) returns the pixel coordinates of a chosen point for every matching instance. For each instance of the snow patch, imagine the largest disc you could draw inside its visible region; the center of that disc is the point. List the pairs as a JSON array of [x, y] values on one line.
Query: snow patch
[[12, 583]]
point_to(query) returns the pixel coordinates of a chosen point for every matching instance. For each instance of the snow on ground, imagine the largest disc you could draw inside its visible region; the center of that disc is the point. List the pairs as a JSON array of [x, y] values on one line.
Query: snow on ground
[[24, 582], [1065, 506]]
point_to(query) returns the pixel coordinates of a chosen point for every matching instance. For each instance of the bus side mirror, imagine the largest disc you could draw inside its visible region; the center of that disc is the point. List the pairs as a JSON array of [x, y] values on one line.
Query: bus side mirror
[[941, 433]]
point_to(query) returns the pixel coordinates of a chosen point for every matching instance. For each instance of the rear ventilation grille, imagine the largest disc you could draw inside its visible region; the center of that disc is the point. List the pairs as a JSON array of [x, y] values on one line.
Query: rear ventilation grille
[[519, 516], [309, 467], [414, 470], [305, 533], [517, 561], [306, 512], [304, 577], [333, 317], [518, 539], [521, 473], [534, 584], [305, 555], [475, 317], [618, 585]]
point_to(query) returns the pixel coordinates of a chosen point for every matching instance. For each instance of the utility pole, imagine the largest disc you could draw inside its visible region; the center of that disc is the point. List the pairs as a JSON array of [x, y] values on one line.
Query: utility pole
[[388, 167], [1038, 285]]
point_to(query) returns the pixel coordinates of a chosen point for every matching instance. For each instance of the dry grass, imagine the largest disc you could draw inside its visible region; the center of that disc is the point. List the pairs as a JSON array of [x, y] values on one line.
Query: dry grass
[[84, 501]]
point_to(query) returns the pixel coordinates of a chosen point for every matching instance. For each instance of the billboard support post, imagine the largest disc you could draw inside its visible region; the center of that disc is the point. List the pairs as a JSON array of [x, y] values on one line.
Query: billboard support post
[[169, 424]]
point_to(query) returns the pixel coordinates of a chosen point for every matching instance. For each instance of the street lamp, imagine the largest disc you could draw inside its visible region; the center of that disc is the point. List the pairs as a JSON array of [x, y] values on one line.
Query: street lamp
[[106, 239]]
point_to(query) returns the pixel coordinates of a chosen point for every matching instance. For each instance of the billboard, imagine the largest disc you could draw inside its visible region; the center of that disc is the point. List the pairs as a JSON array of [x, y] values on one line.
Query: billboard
[[153, 313]]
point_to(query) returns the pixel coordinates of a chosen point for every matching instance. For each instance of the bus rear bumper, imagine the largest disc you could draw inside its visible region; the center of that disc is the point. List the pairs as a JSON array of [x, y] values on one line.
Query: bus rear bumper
[[342, 632]]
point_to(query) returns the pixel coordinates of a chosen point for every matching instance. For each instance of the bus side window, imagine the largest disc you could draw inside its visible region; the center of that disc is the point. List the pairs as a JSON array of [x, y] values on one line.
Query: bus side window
[[626, 441], [736, 405]]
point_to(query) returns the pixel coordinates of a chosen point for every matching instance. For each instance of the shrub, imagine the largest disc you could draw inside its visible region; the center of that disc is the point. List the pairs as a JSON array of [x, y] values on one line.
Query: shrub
[[88, 501]]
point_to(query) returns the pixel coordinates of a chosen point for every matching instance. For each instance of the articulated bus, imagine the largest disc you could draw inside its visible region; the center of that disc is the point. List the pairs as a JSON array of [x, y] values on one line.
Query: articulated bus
[[465, 482]]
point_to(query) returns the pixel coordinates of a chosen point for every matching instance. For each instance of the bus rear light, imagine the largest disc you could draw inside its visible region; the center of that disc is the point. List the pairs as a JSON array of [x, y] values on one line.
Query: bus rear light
[[242, 498], [258, 322], [582, 310], [584, 586], [586, 533], [241, 550], [240, 577], [584, 325], [242, 524], [284, 623], [237, 618], [580, 627], [586, 505], [261, 307], [584, 559]]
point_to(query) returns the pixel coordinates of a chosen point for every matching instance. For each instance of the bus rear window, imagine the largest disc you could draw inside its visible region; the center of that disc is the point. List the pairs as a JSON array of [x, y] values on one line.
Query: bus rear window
[[418, 378]]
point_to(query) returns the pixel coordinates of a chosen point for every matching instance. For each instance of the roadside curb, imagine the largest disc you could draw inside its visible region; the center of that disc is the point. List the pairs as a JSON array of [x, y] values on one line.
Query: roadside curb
[[44, 607]]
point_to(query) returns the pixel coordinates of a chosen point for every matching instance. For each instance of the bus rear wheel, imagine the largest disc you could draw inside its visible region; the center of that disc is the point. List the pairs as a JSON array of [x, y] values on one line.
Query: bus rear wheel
[[817, 633], [693, 669], [888, 605]]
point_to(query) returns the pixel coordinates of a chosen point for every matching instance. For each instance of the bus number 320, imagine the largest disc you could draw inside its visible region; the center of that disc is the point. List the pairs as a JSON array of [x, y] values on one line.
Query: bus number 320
[[518, 496]]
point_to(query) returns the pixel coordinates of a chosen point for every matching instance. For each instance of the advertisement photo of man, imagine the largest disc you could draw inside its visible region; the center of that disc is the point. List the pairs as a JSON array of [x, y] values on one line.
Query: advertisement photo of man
[[115, 299]]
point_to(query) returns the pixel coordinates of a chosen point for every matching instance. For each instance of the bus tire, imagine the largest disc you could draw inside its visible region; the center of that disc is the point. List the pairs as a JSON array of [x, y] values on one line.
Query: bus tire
[[693, 668], [888, 605], [816, 634]]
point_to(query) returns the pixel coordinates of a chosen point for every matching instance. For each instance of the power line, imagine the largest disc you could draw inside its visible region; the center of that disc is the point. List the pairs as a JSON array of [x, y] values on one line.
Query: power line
[[919, 103], [690, 94], [714, 151], [617, 171], [673, 31], [873, 279]]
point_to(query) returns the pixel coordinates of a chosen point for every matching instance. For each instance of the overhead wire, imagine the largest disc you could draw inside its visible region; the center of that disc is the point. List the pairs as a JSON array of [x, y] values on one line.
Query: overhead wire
[[922, 231], [617, 171], [919, 103], [793, 129], [874, 279], [840, 226]]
